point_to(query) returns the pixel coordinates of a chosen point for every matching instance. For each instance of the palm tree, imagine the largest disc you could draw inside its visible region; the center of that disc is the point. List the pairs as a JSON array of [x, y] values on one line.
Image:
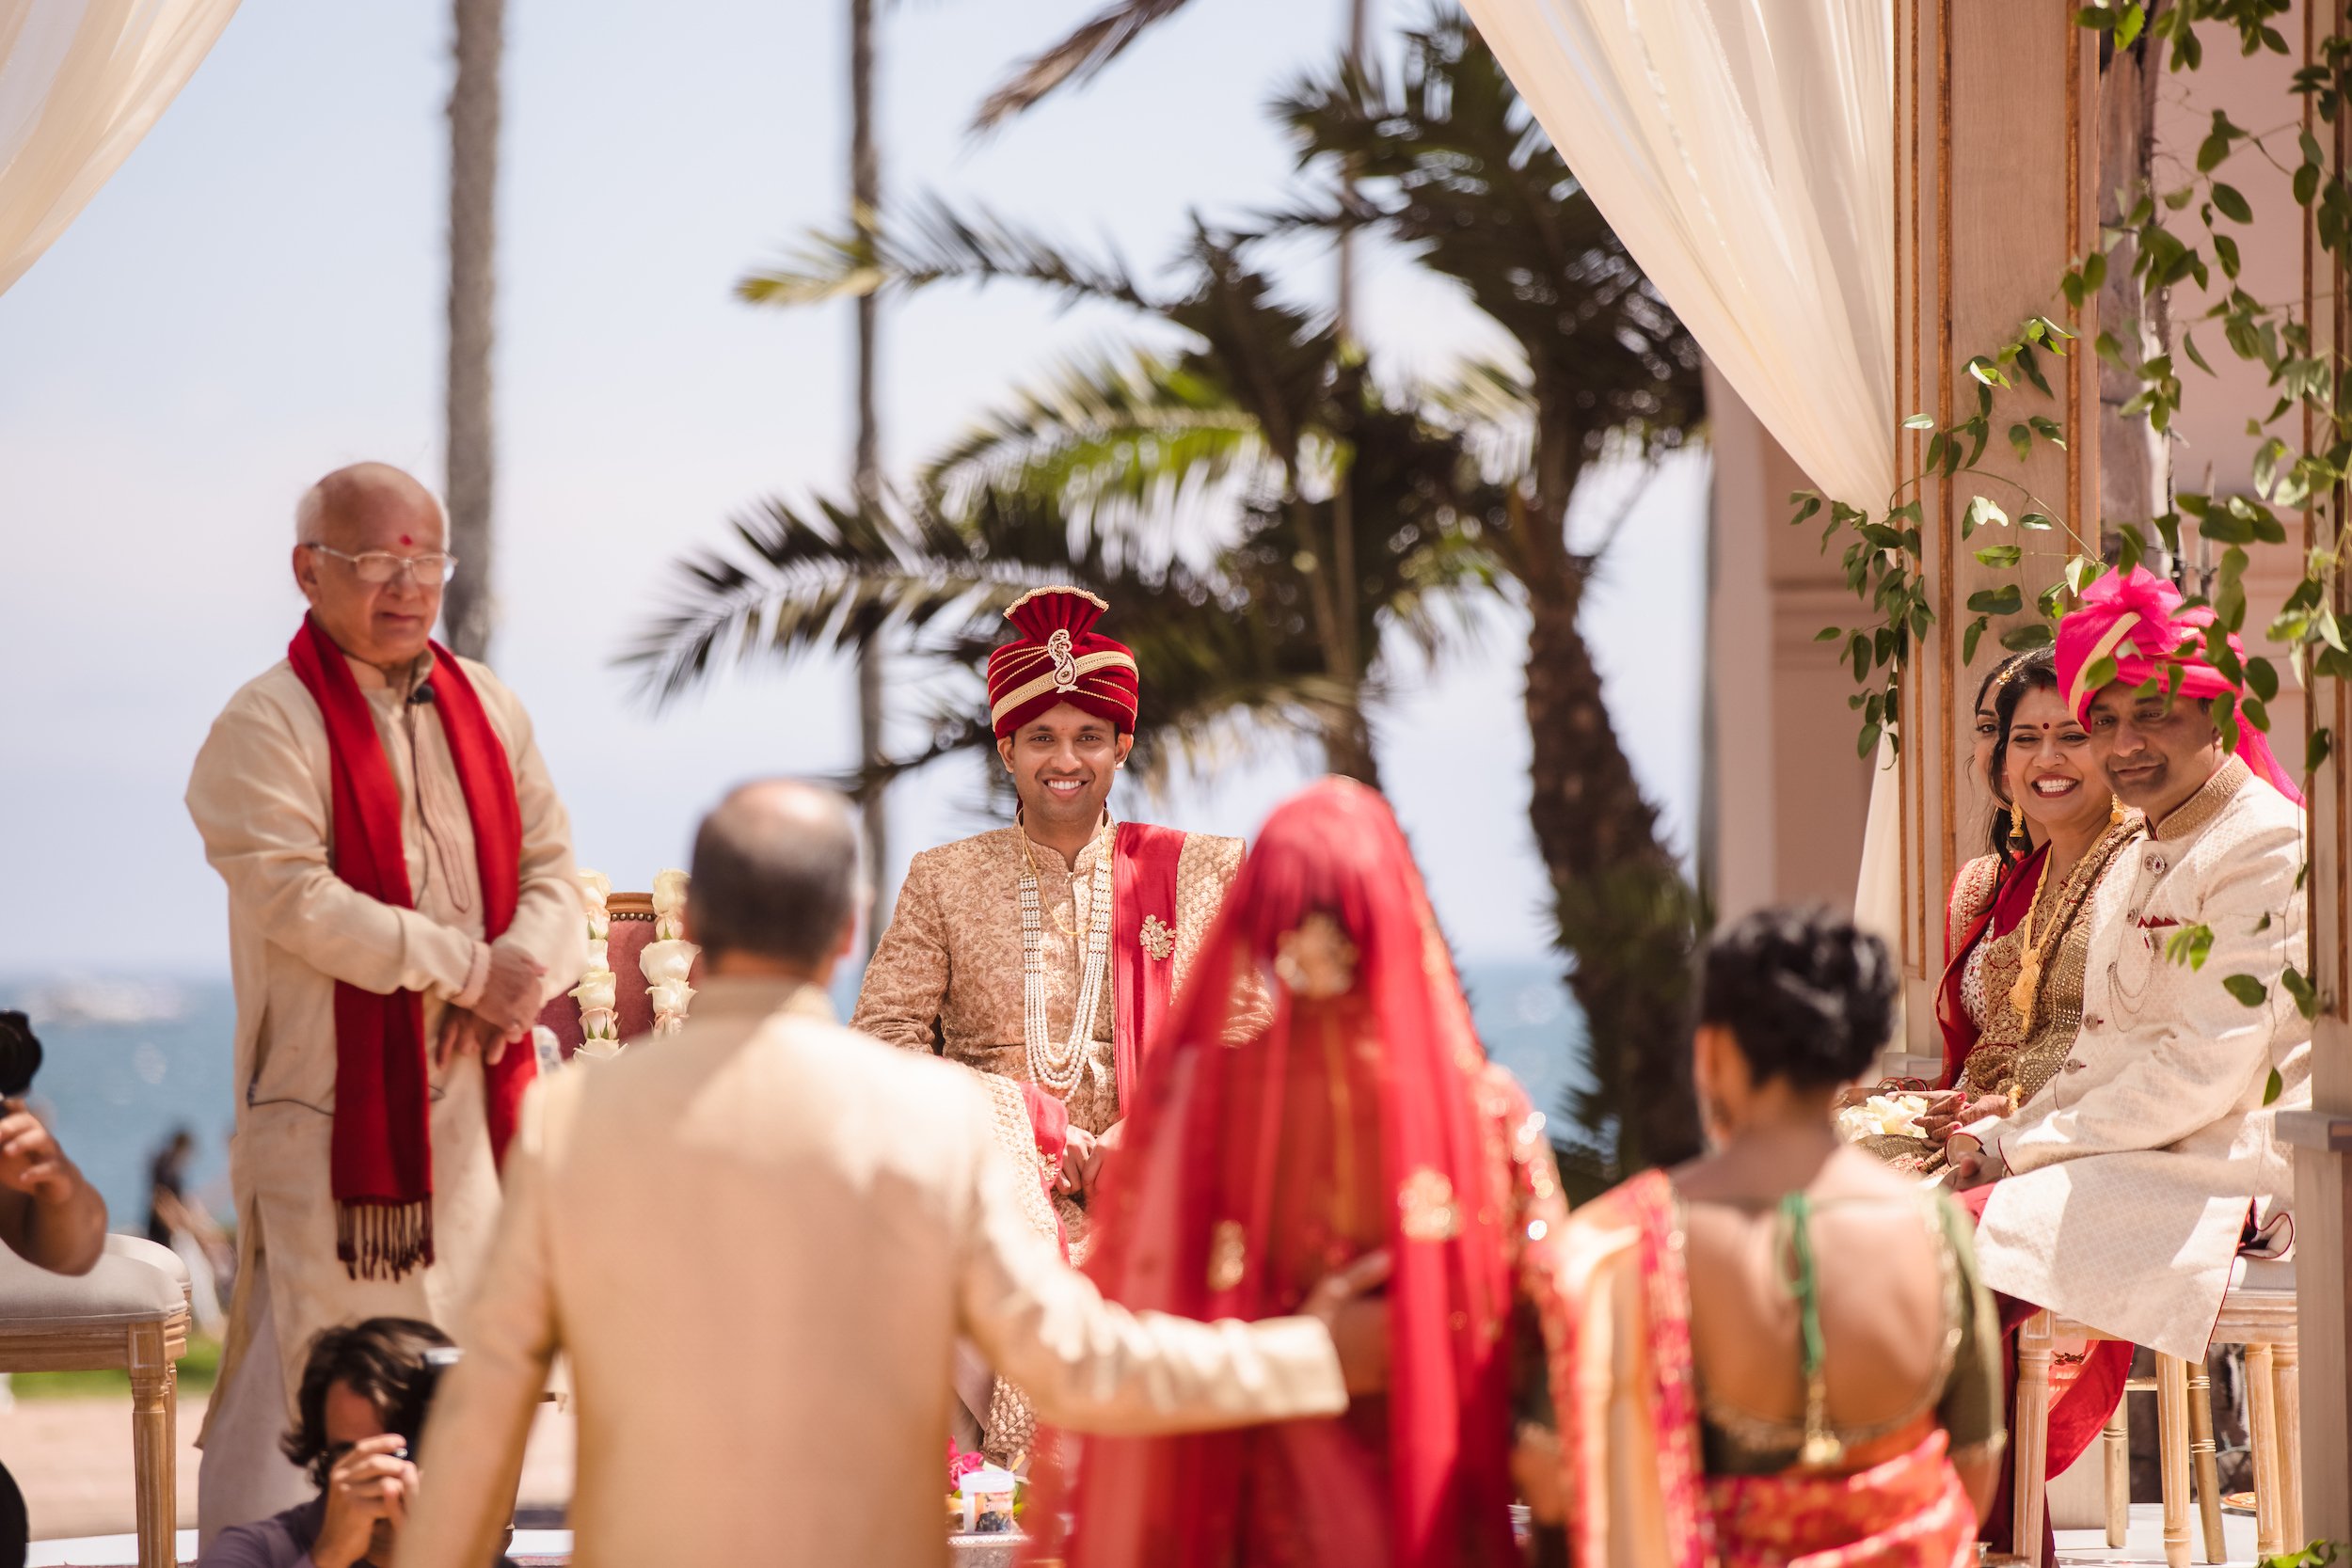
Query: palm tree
[[1451, 164], [469, 612], [867, 478], [1262, 423]]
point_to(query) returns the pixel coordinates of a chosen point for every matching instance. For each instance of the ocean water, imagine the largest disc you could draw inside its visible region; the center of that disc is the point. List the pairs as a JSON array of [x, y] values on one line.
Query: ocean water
[[127, 1060]]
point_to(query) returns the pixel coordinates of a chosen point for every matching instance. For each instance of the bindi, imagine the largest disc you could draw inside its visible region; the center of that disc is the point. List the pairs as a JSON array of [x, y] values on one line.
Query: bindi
[[407, 540]]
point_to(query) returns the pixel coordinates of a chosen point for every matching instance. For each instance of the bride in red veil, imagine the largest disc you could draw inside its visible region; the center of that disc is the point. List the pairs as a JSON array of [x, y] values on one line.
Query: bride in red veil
[[1273, 1145]]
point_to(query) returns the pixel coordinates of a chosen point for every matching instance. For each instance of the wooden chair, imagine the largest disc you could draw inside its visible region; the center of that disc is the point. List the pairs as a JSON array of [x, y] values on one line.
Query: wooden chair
[[131, 1313], [2258, 1312]]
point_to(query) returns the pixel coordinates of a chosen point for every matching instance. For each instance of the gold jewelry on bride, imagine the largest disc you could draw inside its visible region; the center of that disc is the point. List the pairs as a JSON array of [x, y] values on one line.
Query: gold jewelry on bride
[[2018, 840], [2028, 987], [1316, 961]]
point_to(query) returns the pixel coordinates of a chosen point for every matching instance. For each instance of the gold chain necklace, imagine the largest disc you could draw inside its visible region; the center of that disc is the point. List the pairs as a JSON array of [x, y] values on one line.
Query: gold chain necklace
[[2028, 990]]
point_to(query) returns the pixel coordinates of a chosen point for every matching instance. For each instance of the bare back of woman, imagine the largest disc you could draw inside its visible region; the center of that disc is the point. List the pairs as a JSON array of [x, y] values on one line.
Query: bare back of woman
[[1885, 1294]]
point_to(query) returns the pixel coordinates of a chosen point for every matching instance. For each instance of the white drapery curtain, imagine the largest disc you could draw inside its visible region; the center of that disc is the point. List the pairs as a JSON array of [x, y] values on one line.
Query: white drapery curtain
[[81, 82], [1744, 151]]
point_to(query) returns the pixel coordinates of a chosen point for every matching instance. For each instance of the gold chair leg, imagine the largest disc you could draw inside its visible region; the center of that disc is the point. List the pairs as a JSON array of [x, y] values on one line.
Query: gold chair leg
[[2205, 1461], [2172, 1455], [2032, 1435], [154, 1445], [2117, 1443], [2287, 1370], [2262, 1422]]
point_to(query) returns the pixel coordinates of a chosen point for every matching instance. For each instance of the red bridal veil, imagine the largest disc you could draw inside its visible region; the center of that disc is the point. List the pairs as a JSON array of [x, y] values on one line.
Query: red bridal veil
[[1258, 1122]]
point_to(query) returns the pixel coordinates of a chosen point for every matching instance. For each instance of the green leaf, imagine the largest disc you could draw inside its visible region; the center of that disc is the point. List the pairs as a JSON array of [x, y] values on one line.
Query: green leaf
[[2049, 430], [2316, 752], [2000, 555], [1827, 634], [2249, 991], [2040, 522], [1920, 422], [2021, 441], [2306, 1002], [2188, 346], [2026, 638], [1867, 741], [1807, 503], [2306, 185], [2007, 599], [2263, 677], [2102, 673], [2274, 1086], [2233, 206], [1969, 638], [2080, 573], [2189, 946]]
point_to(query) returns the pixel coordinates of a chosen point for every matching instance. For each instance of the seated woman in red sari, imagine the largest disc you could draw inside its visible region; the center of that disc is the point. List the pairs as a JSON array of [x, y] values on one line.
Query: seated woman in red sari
[[2011, 999], [1778, 1354], [1267, 1154]]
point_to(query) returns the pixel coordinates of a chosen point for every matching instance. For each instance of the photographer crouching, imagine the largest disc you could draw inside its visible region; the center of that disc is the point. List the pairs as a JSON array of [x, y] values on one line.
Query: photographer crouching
[[365, 1391]]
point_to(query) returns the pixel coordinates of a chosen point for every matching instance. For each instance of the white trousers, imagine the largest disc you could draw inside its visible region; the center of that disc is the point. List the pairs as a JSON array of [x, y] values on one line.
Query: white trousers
[[244, 1475]]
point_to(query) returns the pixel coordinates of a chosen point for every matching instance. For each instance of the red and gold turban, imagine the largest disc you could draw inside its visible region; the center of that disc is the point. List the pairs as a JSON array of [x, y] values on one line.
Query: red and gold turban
[[1059, 658], [2136, 619]]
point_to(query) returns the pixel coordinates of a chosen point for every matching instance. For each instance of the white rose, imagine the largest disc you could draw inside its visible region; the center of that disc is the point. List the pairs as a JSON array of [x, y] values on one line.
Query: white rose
[[598, 1050], [594, 887], [598, 992], [597, 956], [671, 996], [667, 960], [669, 893], [599, 926]]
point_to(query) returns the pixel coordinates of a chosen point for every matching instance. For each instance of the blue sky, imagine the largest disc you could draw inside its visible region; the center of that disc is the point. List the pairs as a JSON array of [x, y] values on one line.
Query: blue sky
[[256, 298]]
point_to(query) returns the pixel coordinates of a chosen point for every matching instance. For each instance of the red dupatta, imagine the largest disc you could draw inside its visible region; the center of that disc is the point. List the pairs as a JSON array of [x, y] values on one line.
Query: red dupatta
[[2012, 897], [382, 1152], [1184, 1224]]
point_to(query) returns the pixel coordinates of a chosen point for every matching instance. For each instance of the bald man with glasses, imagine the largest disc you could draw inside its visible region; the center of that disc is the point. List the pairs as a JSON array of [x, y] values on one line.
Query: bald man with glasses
[[402, 902]]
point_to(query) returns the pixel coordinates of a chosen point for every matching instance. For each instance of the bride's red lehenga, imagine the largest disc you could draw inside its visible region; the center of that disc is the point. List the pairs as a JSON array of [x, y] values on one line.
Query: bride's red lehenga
[[1269, 1151]]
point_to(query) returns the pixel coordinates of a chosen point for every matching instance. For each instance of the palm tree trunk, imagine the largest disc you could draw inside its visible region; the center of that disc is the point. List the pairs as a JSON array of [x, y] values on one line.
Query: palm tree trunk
[[1624, 912], [865, 206], [468, 611]]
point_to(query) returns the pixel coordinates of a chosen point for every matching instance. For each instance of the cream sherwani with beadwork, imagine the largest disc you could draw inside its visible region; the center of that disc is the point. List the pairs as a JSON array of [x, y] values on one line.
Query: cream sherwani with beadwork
[[756, 1244], [2133, 1174], [259, 796]]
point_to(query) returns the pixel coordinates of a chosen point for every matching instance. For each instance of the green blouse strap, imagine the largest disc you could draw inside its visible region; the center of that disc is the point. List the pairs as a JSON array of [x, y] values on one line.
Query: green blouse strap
[[1802, 1280]]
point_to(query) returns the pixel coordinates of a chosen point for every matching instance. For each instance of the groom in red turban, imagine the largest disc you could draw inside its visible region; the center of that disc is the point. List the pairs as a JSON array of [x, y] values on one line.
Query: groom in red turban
[[1044, 955]]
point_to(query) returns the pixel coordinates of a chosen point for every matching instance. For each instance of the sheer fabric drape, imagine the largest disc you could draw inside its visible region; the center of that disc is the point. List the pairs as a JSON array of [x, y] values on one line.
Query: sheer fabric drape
[[81, 82], [1744, 151]]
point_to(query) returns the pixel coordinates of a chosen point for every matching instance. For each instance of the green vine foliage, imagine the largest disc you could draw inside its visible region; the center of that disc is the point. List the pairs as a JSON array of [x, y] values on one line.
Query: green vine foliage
[[2171, 235]]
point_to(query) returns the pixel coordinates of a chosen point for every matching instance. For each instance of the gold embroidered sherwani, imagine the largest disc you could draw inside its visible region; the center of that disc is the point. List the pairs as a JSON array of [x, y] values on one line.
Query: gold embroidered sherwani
[[757, 1245], [260, 795], [2134, 1173], [946, 976]]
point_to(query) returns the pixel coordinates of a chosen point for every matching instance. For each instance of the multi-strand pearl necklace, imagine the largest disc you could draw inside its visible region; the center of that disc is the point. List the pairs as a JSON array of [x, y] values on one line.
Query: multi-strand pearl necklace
[[1057, 1074]]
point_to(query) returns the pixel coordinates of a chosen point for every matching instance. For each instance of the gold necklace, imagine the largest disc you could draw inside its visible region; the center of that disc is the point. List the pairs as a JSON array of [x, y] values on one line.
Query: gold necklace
[[2028, 990]]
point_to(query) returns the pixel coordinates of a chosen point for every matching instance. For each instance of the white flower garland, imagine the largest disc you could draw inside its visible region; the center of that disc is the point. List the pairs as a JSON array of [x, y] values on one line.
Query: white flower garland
[[599, 992], [669, 957]]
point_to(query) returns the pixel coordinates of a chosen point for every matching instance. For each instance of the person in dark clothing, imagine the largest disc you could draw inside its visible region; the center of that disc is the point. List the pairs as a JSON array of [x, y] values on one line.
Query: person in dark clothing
[[365, 1390], [167, 1187]]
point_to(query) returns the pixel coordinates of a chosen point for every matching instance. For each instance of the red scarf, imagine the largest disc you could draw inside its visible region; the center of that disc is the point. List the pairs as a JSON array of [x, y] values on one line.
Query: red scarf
[[1143, 869], [383, 1146]]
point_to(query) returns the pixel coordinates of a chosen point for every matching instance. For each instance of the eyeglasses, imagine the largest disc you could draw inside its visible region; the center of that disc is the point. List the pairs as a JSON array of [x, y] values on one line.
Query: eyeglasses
[[377, 567]]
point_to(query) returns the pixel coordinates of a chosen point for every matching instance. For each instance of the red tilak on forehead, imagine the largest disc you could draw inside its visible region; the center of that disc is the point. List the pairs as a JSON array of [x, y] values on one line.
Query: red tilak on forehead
[[405, 540]]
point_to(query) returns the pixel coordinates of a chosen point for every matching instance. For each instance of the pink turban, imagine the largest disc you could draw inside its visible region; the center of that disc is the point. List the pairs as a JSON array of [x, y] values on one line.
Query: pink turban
[[2137, 620]]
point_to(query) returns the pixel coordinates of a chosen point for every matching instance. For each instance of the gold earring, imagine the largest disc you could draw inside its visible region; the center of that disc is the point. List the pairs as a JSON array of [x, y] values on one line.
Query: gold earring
[[2018, 840], [2115, 810]]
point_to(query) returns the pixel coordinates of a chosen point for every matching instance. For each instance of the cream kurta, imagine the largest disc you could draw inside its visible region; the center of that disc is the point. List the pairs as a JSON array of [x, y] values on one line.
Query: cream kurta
[[2134, 1172], [757, 1245], [946, 974], [260, 795]]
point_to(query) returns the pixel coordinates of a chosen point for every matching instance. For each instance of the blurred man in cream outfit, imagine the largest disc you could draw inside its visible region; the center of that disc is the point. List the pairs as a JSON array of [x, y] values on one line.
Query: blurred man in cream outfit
[[401, 901], [758, 1242]]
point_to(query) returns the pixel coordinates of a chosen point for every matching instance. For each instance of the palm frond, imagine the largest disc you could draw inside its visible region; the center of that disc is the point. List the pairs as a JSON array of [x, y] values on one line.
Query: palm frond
[[1097, 41], [1137, 431], [929, 242]]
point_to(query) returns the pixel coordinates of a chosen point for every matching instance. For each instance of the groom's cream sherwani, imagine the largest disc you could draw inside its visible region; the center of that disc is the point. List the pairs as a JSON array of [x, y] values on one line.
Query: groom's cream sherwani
[[758, 1242], [2134, 1174]]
